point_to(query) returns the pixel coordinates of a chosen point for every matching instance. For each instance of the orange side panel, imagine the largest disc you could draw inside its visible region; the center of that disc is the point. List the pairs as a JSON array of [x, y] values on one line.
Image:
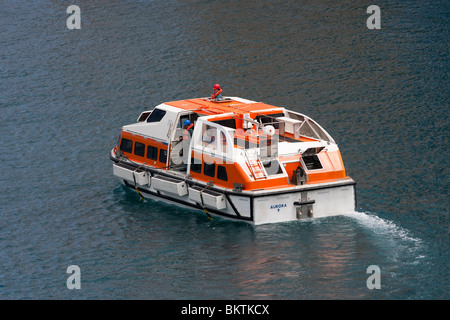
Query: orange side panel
[[233, 173], [147, 142], [333, 168], [236, 174]]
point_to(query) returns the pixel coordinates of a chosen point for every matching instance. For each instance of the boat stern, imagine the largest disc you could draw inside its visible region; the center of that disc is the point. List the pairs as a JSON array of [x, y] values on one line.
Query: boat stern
[[305, 202]]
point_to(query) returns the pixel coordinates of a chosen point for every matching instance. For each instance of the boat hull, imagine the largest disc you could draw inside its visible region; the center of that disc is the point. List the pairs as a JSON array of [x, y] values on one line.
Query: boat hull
[[309, 202], [256, 207]]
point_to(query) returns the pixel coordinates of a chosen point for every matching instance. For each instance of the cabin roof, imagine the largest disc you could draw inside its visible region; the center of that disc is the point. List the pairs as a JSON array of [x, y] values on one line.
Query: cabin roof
[[235, 105]]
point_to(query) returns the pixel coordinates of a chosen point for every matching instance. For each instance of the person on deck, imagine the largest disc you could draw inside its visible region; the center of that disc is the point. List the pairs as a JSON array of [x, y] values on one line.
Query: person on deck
[[188, 128], [217, 96]]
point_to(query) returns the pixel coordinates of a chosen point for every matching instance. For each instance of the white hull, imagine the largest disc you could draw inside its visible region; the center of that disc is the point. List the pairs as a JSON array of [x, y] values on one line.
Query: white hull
[[257, 207]]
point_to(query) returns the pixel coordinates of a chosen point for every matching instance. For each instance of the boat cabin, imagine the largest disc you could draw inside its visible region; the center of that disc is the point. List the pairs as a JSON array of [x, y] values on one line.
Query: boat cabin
[[236, 143]]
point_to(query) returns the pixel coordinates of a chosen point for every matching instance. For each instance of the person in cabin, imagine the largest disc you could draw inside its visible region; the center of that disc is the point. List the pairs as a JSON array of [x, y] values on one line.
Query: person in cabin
[[188, 129], [217, 96]]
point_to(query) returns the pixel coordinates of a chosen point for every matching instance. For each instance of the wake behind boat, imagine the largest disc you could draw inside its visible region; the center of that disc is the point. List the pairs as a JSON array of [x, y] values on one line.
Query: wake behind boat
[[236, 158]]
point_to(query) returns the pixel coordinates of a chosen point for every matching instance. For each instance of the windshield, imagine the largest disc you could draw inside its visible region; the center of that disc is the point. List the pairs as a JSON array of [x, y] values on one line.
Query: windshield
[[310, 128]]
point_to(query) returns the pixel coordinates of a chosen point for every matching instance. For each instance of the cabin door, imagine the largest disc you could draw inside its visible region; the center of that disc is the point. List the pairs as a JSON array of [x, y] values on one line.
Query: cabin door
[[180, 141]]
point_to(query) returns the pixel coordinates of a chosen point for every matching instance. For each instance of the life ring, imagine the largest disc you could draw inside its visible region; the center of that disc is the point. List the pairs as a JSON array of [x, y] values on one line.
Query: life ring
[[269, 130]]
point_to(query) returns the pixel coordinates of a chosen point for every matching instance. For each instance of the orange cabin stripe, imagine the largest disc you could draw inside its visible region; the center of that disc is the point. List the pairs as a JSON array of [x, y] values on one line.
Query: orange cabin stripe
[[333, 167]]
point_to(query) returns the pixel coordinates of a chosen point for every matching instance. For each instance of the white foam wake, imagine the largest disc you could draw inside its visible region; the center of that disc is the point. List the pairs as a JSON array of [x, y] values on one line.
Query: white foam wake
[[383, 227]]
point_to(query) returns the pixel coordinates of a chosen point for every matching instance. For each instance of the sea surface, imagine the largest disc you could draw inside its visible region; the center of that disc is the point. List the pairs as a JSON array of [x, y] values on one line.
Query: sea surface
[[383, 95]]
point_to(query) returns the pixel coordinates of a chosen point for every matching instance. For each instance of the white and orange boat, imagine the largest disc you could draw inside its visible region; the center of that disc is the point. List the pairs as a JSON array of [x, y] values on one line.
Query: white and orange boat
[[245, 160]]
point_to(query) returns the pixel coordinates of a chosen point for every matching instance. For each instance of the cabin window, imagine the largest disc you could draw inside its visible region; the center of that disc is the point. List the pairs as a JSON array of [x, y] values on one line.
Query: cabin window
[[296, 116], [318, 130], [306, 130], [196, 165], [139, 149], [209, 169], [143, 116], [209, 136], [230, 123], [163, 155], [152, 153], [223, 142], [312, 162], [269, 119], [222, 173], [126, 145], [156, 115], [118, 141]]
